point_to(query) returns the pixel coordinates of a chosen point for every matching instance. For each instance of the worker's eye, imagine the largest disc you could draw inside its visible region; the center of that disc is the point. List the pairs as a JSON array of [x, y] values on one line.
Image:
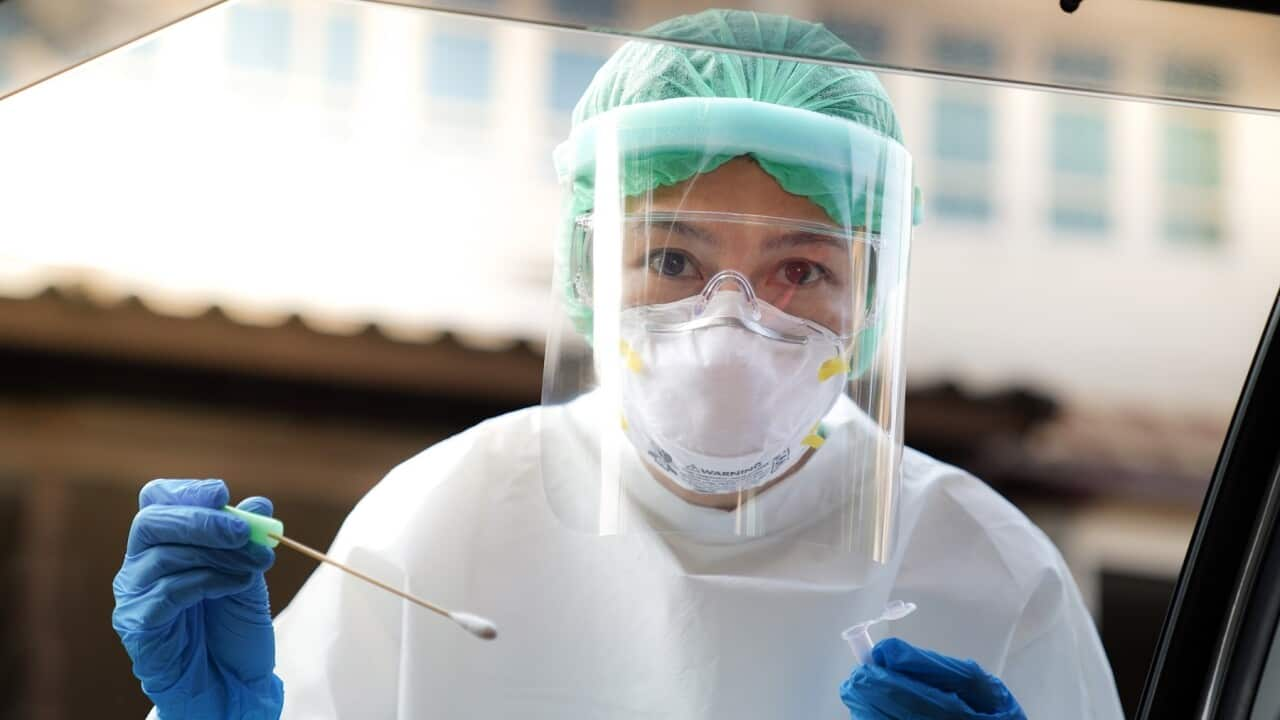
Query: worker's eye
[[671, 263], [801, 272]]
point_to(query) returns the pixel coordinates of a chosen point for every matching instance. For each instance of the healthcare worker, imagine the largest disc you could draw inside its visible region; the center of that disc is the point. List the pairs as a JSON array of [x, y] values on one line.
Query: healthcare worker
[[714, 486]]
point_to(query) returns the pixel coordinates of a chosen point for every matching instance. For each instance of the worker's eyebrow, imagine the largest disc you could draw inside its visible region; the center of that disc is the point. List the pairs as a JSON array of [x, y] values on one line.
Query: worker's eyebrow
[[683, 229], [802, 238], [836, 239]]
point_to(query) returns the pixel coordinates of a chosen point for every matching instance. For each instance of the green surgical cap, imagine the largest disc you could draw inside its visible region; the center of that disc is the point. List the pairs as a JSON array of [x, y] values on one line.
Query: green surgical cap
[[647, 71]]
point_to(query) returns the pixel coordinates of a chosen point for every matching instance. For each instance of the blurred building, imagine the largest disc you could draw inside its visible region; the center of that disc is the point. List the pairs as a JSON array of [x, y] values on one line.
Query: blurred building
[[292, 243], [1156, 219]]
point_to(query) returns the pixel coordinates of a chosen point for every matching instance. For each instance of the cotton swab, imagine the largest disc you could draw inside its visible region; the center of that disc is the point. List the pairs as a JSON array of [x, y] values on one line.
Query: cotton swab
[[269, 532]]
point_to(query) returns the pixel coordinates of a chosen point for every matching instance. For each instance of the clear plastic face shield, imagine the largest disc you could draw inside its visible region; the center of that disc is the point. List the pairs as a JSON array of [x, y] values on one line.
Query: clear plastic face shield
[[733, 280]]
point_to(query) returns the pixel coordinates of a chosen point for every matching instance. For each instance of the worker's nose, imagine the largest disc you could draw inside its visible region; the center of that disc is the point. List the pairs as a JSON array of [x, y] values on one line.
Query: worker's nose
[[730, 280]]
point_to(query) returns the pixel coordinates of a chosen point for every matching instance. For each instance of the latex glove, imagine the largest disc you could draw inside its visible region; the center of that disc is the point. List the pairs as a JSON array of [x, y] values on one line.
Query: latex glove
[[191, 605], [903, 681]]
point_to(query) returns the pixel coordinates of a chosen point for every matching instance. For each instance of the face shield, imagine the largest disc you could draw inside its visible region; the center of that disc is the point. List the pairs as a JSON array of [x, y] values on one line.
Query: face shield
[[732, 275]]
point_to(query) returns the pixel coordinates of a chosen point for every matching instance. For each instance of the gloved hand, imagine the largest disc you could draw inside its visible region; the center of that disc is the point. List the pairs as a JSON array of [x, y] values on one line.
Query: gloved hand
[[191, 605], [903, 681]]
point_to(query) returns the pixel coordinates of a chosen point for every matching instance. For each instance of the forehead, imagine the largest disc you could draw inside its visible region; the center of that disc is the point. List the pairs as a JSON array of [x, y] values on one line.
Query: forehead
[[738, 186]]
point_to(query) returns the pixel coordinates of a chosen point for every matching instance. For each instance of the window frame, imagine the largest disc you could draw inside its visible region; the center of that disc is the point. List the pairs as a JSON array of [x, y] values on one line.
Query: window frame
[[1222, 618]]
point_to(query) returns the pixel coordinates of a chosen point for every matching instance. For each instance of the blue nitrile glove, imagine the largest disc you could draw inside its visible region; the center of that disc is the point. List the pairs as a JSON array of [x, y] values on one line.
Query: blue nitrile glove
[[903, 681], [191, 605]]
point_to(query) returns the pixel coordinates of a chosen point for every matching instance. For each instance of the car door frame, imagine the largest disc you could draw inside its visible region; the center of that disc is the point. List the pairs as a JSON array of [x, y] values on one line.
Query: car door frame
[[1223, 615]]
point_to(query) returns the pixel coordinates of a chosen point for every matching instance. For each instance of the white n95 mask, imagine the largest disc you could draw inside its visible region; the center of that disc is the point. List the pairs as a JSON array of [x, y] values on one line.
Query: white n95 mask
[[722, 392]]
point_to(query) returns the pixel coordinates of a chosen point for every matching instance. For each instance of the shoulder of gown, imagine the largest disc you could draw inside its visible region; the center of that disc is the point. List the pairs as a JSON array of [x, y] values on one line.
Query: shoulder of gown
[[993, 587]]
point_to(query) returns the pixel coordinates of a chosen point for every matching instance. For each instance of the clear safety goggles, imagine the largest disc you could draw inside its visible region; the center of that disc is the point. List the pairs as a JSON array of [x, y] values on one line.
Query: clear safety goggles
[[809, 270]]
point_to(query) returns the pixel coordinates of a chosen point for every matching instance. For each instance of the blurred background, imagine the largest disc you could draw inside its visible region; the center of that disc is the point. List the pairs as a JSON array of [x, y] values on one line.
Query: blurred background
[[291, 243]]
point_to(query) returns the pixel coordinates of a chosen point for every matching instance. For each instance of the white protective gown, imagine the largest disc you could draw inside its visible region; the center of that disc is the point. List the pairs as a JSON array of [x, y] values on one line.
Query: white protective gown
[[644, 625]]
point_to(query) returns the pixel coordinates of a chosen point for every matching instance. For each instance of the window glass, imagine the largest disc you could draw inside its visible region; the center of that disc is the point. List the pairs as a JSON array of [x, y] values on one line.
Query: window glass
[[1266, 704], [962, 147], [1080, 167], [341, 49], [459, 65], [258, 36]]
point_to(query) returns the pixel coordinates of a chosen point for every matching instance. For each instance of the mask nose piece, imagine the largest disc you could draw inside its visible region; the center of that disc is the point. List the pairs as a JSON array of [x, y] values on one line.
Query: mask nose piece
[[728, 276]]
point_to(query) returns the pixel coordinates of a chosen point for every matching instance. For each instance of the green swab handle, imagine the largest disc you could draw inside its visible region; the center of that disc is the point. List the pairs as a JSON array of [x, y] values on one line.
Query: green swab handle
[[259, 526]]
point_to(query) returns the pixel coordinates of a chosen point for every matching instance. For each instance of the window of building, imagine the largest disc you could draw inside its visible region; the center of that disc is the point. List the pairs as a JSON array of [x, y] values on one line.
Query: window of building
[[1081, 67], [12, 22], [1193, 79], [481, 5], [867, 38], [259, 36], [9, 25], [962, 128], [12, 25], [1079, 132], [1191, 157], [1192, 174], [571, 72], [460, 66], [963, 134], [1080, 184], [340, 61], [962, 145], [595, 12], [963, 52]]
